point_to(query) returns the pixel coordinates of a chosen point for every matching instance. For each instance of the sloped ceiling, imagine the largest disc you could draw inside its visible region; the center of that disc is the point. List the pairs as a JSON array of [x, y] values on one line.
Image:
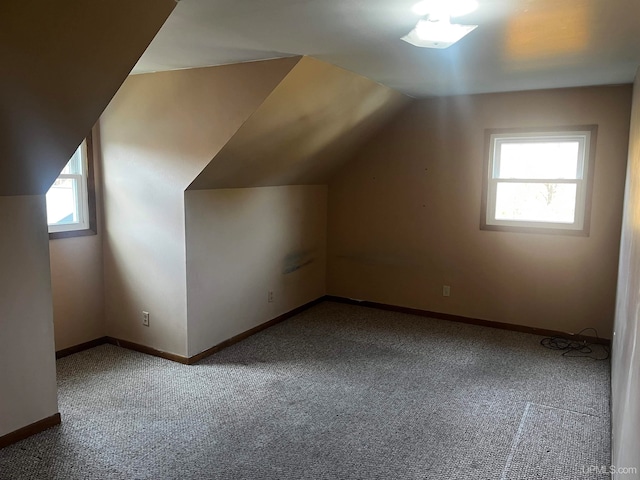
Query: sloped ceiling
[[519, 44], [162, 129], [61, 64], [305, 130]]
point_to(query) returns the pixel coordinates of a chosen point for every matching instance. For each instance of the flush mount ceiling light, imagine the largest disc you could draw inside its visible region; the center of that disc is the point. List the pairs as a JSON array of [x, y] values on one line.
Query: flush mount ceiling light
[[437, 34], [436, 29]]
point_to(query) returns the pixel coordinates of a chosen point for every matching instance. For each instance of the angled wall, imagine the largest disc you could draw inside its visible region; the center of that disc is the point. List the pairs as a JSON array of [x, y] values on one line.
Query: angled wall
[[625, 362], [306, 129], [256, 215], [159, 132], [61, 64], [404, 215], [181, 150]]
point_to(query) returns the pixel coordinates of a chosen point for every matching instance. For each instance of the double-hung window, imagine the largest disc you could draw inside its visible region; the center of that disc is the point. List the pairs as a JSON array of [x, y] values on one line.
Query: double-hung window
[[71, 199], [539, 180]]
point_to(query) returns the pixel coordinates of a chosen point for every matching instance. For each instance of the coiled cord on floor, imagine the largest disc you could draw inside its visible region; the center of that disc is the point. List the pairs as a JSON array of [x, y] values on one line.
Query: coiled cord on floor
[[578, 348]]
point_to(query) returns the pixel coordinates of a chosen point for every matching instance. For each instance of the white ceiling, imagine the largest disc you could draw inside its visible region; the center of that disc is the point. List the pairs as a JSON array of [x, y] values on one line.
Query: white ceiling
[[519, 45]]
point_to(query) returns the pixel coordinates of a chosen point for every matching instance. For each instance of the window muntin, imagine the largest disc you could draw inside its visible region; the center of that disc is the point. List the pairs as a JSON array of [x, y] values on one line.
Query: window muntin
[[71, 198], [538, 180]]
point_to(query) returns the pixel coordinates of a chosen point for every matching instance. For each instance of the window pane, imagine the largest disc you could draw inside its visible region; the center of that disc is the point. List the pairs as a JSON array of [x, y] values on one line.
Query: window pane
[[62, 207], [74, 167], [539, 160], [536, 202]]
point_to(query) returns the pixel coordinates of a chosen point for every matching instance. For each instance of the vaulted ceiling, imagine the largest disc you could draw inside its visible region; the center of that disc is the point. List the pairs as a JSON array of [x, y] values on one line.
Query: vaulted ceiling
[[305, 130], [62, 62], [519, 44]]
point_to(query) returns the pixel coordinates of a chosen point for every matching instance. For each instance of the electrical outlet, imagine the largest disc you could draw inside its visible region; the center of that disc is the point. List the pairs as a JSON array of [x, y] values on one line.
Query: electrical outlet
[[446, 291], [270, 297], [145, 319]]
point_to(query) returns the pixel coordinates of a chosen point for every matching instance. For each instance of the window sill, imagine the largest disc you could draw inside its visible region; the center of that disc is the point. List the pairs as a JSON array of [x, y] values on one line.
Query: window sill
[[72, 233], [539, 230]]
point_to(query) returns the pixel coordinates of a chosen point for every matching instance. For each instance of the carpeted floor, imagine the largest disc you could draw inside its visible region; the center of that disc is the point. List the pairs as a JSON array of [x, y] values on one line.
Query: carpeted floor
[[337, 392]]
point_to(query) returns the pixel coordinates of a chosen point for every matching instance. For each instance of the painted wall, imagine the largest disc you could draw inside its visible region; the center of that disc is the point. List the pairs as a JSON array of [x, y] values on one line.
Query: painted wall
[[243, 243], [77, 286], [404, 216], [157, 135], [308, 127], [61, 64], [77, 278], [625, 381], [27, 358]]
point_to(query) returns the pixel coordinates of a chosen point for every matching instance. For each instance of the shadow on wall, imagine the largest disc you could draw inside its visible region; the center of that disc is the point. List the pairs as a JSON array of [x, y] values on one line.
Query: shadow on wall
[[53, 87]]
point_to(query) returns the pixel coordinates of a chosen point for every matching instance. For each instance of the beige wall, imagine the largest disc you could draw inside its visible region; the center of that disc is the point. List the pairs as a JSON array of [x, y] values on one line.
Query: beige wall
[[77, 278], [157, 135], [243, 243], [62, 63], [625, 381], [307, 128], [404, 216], [285, 122], [27, 359], [77, 286]]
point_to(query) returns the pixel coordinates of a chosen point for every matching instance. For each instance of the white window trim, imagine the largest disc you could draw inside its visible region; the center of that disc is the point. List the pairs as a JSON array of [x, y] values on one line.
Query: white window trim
[[584, 135]]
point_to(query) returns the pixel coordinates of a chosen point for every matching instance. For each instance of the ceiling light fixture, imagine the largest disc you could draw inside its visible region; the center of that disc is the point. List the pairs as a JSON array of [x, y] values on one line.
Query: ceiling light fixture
[[436, 29], [437, 34]]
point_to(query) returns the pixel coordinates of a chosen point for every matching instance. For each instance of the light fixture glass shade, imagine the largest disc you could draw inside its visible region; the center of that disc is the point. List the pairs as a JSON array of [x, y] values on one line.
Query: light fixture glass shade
[[441, 34], [453, 8]]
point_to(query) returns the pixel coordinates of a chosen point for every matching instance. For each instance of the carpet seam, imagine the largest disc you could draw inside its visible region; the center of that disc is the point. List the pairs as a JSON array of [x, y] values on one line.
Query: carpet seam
[[514, 444]]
